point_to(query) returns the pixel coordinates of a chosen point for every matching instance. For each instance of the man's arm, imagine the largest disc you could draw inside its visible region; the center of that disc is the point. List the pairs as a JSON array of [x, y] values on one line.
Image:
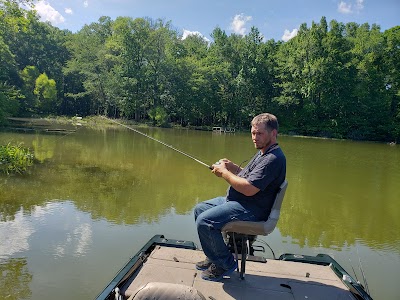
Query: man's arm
[[238, 183]]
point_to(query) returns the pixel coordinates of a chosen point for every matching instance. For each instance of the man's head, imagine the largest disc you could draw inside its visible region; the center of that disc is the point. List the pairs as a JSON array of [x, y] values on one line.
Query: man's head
[[264, 129], [268, 120]]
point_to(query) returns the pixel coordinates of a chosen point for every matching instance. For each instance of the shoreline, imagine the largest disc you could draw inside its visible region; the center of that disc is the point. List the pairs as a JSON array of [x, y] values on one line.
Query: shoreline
[[97, 122]]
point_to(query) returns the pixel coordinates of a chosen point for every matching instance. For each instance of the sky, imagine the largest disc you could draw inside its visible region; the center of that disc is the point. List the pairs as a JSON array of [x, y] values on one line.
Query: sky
[[275, 19]]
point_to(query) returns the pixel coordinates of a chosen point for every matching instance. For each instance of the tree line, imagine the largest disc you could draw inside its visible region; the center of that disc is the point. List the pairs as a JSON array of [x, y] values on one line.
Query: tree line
[[334, 80]]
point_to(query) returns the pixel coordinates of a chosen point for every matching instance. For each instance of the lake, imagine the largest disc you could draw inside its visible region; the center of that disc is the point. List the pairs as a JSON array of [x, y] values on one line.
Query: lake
[[97, 195]]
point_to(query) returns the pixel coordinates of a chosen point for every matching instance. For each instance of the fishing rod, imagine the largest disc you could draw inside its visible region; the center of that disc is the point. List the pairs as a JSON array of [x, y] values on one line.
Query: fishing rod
[[158, 141]]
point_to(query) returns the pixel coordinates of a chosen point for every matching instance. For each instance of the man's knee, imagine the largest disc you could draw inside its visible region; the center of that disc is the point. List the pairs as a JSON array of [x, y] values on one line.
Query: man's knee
[[197, 210], [203, 224], [199, 220]]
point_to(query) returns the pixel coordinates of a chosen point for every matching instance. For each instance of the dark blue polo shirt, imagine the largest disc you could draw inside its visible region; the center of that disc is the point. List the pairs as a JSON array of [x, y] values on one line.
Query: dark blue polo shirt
[[266, 172]]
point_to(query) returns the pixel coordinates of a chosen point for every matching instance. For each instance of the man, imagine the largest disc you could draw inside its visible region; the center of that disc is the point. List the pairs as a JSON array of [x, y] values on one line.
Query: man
[[249, 198]]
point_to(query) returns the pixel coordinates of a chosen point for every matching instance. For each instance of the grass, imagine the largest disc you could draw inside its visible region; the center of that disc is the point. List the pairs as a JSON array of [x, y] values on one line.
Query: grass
[[15, 159]]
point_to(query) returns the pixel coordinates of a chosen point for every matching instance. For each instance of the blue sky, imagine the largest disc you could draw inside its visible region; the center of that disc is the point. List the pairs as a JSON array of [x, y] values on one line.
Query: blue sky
[[275, 19]]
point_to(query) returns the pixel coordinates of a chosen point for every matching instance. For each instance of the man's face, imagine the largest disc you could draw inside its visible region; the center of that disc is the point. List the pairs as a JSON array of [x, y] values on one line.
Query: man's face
[[261, 137]]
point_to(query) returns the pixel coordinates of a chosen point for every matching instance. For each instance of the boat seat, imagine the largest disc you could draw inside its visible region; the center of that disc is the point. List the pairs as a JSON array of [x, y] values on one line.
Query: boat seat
[[166, 291], [246, 229]]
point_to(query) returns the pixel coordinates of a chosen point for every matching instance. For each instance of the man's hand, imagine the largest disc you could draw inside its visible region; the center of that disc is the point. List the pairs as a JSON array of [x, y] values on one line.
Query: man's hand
[[219, 167], [223, 167], [229, 165]]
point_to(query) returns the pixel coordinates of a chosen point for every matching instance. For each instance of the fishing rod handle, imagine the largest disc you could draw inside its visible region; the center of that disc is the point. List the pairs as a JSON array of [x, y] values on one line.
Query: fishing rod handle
[[217, 163]]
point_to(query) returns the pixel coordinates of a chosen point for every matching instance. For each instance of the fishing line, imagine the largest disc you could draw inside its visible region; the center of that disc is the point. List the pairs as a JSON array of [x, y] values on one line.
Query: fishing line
[[158, 141]]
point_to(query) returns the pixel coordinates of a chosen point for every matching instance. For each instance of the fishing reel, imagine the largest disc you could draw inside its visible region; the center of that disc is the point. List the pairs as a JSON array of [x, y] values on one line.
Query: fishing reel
[[216, 163]]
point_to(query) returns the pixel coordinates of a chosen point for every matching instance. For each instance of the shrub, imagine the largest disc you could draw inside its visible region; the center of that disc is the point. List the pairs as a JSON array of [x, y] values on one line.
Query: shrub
[[15, 159]]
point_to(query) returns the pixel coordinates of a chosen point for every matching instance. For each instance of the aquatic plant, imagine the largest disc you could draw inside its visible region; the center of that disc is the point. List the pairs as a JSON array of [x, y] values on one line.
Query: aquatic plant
[[15, 159]]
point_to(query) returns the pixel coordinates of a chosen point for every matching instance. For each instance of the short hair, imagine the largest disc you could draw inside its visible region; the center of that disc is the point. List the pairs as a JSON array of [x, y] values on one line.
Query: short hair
[[269, 120]]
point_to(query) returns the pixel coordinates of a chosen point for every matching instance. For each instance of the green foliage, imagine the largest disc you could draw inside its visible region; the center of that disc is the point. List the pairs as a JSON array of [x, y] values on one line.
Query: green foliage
[[29, 75], [7, 61], [159, 116], [332, 79], [9, 94], [15, 159], [89, 69], [12, 17], [332, 82], [8, 102], [46, 92]]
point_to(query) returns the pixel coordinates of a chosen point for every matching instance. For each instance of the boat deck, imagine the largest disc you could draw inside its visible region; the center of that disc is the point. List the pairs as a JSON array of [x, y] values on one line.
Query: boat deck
[[273, 279]]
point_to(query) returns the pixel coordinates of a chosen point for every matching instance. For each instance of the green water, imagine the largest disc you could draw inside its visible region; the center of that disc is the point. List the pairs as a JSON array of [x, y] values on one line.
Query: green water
[[98, 195]]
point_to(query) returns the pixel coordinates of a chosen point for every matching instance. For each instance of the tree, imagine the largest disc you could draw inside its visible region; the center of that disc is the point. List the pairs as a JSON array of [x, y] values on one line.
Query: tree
[[128, 43], [336, 80], [12, 20], [9, 95], [179, 66], [370, 120], [256, 78], [46, 92], [12, 16], [29, 75], [392, 78], [86, 70], [336, 100], [159, 116], [9, 100]]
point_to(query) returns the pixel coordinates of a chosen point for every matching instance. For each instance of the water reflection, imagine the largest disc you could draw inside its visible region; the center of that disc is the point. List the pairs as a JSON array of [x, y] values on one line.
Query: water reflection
[[34, 240], [14, 235], [338, 190], [341, 194], [15, 279], [43, 148], [73, 230], [67, 233]]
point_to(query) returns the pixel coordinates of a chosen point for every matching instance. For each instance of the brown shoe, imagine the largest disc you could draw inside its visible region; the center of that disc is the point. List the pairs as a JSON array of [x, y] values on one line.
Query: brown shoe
[[204, 264], [215, 273]]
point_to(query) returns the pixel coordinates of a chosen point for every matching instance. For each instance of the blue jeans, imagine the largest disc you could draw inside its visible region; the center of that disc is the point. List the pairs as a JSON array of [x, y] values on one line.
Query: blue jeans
[[210, 217]]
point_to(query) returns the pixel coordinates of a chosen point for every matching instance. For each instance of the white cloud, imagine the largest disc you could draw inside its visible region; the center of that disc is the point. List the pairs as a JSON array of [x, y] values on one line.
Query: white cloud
[[85, 3], [349, 8], [48, 13], [239, 22], [287, 35], [68, 11], [186, 33], [344, 8], [359, 4]]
